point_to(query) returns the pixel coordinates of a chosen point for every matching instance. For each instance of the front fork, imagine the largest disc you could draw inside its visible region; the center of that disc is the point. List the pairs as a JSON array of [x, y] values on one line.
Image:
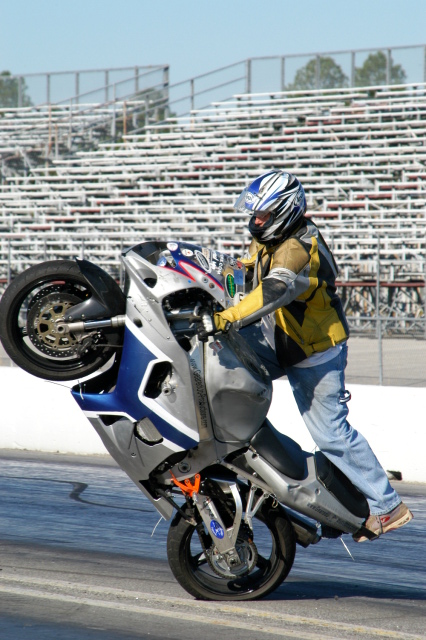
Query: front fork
[[225, 538]]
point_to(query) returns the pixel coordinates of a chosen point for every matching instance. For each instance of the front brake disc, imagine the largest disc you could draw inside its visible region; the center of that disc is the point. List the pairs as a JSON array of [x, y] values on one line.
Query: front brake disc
[[44, 315]]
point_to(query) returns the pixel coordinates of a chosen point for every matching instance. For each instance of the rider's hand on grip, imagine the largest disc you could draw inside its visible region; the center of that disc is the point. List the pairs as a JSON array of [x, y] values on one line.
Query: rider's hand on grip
[[221, 323], [210, 325]]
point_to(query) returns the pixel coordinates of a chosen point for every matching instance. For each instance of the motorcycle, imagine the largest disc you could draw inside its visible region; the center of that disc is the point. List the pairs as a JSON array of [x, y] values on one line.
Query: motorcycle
[[183, 410]]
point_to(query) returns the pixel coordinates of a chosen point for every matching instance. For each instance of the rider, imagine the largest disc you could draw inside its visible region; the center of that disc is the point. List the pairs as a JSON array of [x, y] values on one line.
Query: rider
[[294, 320]]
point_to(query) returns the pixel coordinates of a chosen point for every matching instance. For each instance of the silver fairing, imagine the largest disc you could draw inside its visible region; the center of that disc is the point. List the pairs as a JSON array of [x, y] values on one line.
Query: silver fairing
[[239, 388], [205, 400]]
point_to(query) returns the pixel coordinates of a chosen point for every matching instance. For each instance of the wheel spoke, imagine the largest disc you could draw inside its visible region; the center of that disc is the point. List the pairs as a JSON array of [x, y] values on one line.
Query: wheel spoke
[[200, 558], [263, 563]]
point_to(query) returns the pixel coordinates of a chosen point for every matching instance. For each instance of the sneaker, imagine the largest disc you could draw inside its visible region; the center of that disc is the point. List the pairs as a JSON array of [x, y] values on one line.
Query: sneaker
[[386, 522]]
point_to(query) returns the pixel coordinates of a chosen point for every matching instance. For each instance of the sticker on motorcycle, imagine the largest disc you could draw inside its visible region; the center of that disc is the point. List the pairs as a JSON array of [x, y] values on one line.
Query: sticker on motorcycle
[[217, 262], [172, 246], [217, 530], [215, 346], [187, 252], [202, 261], [239, 276], [230, 285]]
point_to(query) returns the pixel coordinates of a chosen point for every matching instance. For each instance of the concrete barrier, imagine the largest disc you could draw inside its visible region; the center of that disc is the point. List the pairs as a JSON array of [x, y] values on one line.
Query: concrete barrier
[[38, 415]]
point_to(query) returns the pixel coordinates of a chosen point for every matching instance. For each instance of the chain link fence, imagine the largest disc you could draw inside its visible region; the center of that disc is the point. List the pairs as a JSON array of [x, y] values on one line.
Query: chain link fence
[[388, 341]]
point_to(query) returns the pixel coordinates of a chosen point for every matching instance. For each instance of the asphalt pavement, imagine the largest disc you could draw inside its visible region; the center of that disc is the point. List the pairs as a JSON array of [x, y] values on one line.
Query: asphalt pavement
[[80, 560]]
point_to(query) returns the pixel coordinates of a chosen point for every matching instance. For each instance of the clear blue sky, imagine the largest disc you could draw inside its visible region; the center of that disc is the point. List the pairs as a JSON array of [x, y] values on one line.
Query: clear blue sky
[[194, 36]]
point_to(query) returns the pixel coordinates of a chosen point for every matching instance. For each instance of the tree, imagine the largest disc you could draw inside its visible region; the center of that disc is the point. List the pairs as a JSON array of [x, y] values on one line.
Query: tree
[[319, 73], [373, 71], [13, 91]]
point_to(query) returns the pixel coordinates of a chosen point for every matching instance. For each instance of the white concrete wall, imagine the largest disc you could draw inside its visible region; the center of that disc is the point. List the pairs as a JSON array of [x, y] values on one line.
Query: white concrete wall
[[42, 416], [391, 418]]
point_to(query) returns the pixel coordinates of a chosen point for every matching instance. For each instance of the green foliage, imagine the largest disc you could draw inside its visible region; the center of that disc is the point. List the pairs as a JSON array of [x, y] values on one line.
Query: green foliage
[[373, 71], [9, 91], [330, 75]]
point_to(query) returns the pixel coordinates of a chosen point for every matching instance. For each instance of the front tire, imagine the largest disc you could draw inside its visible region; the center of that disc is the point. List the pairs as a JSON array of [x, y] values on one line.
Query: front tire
[[31, 306], [275, 546]]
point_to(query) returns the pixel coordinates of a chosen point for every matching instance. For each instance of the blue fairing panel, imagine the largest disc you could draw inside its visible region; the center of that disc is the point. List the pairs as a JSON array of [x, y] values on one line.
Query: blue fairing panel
[[126, 398]]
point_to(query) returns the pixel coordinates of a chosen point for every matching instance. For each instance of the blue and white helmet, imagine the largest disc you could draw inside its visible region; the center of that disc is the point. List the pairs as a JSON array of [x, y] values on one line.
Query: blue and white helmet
[[279, 194]]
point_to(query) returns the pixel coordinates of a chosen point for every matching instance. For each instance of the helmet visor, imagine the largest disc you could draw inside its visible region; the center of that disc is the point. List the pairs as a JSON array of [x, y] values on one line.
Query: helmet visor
[[246, 202]]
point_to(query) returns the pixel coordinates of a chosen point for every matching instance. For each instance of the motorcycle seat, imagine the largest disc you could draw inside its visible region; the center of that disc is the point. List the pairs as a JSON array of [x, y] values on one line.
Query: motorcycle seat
[[282, 452]]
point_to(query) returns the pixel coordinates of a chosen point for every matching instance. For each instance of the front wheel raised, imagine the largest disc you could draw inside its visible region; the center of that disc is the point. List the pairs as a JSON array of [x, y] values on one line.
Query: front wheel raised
[[31, 309], [272, 549]]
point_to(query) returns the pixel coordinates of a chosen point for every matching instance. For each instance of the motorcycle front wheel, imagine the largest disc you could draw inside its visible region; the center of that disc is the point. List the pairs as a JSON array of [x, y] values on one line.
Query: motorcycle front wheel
[[30, 310], [271, 554]]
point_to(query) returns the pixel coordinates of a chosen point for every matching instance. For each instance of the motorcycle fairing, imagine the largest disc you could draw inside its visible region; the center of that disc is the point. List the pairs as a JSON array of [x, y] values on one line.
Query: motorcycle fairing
[[219, 273], [128, 399], [239, 388]]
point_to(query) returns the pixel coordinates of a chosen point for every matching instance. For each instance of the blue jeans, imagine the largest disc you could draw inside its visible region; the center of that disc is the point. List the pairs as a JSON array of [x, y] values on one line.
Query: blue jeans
[[317, 391]]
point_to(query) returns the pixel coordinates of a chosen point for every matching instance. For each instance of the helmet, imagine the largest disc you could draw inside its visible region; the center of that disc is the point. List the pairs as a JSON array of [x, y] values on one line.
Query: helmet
[[278, 193]]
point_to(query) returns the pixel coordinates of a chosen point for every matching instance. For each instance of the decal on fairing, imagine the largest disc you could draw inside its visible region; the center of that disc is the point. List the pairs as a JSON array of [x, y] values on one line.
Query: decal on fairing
[[239, 276], [217, 262], [200, 392], [217, 530], [215, 346], [202, 261], [196, 273], [230, 285]]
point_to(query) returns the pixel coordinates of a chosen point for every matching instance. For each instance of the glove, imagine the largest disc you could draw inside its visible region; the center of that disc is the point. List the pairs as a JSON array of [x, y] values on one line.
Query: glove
[[222, 323]]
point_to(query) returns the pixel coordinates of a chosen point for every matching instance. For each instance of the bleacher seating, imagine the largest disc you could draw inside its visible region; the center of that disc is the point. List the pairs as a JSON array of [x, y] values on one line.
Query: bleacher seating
[[360, 153]]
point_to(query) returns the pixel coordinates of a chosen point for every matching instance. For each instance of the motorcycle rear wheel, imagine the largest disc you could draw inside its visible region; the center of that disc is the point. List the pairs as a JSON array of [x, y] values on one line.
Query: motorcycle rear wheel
[[30, 308], [276, 547]]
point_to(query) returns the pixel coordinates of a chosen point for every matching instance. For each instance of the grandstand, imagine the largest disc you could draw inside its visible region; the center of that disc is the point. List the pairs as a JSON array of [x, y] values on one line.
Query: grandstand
[[69, 187]]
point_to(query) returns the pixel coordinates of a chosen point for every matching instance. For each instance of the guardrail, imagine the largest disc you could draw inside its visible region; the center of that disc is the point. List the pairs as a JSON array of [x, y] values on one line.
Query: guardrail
[[313, 70]]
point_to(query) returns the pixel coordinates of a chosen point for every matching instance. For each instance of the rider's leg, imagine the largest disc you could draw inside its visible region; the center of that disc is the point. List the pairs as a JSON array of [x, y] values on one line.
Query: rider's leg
[[318, 392]]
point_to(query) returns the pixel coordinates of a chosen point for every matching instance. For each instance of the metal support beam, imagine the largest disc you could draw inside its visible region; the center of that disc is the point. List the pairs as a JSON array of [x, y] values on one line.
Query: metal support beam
[[166, 91], [136, 80], [248, 75], [389, 66], [353, 68]]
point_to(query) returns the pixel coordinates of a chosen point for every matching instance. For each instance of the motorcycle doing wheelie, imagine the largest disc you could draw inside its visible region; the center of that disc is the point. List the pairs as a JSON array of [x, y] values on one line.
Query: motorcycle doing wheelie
[[182, 410]]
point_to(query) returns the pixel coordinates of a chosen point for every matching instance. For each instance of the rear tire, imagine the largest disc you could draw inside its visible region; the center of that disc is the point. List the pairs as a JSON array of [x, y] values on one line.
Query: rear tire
[[29, 309], [276, 547]]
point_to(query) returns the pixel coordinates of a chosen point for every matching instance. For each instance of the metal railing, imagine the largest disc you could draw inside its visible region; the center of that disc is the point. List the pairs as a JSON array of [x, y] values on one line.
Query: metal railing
[[119, 98], [389, 334], [257, 74], [38, 87]]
